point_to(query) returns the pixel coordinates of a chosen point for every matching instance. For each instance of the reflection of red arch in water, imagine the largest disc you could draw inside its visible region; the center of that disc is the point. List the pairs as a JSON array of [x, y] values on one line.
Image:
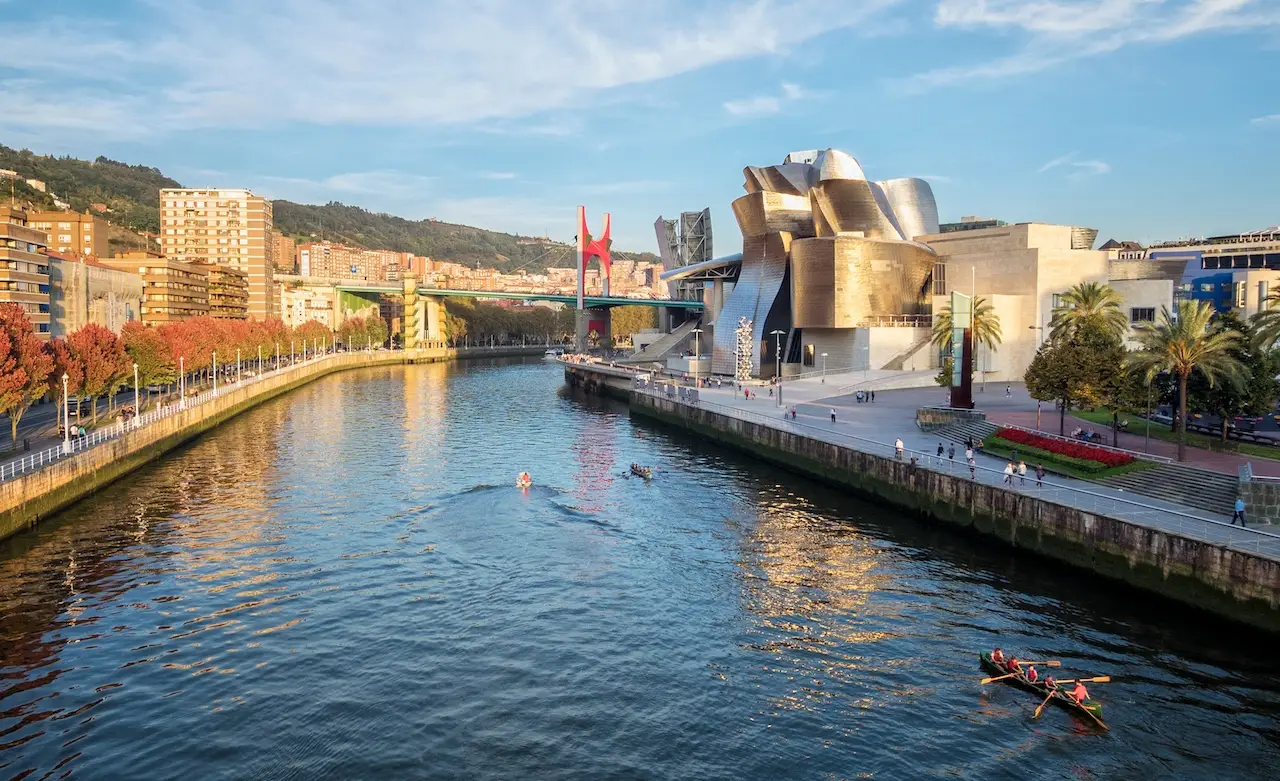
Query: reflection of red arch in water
[[594, 450], [589, 247]]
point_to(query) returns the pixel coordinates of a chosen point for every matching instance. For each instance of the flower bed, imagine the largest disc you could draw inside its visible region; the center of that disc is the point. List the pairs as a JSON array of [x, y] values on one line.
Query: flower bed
[[1072, 450]]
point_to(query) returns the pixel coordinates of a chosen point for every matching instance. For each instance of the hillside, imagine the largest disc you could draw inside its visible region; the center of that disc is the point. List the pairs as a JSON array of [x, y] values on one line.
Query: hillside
[[131, 192]]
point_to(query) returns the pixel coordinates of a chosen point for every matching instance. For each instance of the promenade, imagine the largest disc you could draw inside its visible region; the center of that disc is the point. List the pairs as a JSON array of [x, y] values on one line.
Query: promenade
[[874, 427]]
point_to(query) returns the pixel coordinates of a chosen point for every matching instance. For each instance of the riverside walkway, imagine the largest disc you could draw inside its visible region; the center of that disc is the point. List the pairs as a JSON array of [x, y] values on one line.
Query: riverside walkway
[[874, 427]]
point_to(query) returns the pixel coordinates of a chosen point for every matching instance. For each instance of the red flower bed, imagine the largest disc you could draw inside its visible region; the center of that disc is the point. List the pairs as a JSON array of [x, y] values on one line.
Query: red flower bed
[[1069, 449]]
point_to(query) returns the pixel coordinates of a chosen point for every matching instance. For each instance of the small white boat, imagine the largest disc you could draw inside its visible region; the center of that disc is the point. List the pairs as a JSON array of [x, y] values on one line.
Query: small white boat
[[552, 354]]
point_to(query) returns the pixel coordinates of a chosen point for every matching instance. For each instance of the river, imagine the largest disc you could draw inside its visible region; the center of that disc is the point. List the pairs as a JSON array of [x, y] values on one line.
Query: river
[[344, 583]]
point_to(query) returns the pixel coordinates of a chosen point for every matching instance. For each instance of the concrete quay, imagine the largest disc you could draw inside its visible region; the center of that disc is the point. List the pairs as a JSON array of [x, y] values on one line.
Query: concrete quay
[[1195, 558], [38, 493]]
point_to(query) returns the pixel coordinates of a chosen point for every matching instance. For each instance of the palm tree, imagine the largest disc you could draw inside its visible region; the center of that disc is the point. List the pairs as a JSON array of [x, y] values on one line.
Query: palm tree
[[1266, 323], [1184, 343], [986, 325], [1088, 303]]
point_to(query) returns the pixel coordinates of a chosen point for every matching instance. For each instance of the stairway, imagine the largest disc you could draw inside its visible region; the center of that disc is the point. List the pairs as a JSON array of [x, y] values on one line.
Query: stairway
[[658, 351], [899, 361], [961, 432], [1210, 491]]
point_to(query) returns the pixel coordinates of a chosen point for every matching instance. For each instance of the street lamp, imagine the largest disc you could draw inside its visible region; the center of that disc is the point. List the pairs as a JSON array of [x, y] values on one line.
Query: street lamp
[[182, 382], [292, 350], [696, 333], [66, 417], [136, 407], [777, 354], [259, 360], [215, 372], [237, 366], [277, 356], [824, 368]]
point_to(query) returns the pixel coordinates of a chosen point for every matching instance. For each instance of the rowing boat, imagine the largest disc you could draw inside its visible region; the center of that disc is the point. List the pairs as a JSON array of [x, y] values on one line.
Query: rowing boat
[[642, 471], [1090, 709]]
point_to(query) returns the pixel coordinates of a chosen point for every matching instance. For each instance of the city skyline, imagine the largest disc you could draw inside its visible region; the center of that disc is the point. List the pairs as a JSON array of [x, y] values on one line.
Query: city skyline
[[510, 116]]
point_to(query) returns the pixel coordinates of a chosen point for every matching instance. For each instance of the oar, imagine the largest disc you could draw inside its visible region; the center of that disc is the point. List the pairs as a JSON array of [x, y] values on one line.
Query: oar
[[1010, 675], [1099, 679], [1040, 707]]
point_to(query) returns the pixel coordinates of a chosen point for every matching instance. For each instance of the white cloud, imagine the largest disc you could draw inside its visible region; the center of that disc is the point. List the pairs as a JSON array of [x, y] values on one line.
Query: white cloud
[[1051, 32], [935, 178], [753, 107], [1269, 119], [1079, 169], [498, 175], [246, 64], [793, 91]]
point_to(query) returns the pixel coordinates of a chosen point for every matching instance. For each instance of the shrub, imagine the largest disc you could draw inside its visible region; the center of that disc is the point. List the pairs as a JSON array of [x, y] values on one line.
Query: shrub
[[1074, 450]]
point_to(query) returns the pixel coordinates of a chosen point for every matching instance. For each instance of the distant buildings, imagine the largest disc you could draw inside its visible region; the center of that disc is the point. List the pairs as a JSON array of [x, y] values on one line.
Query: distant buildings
[[298, 304], [83, 234], [224, 227], [171, 289], [326, 260], [84, 290], [228, 292], [284, 253], [24, 268]]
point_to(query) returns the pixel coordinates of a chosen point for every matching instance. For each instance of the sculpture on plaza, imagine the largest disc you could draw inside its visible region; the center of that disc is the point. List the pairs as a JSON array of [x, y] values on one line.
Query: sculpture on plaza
[[824, 249]]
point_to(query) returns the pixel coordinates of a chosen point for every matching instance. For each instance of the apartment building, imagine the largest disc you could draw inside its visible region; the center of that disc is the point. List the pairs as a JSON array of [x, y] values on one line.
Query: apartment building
[[171, 289], [83, 290], [223, 227], [228, 292], [284, 254], [24, 268], [81, 234], [300, 304]]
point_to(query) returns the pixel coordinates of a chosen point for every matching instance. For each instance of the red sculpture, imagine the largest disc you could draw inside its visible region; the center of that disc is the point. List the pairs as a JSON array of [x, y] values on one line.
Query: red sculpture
[[588, 248]]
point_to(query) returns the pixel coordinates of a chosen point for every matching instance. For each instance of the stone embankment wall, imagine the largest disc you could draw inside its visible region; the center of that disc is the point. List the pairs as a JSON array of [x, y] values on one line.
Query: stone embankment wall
[[26, 500], [599, 379], [1261, 501], [1229, 582]]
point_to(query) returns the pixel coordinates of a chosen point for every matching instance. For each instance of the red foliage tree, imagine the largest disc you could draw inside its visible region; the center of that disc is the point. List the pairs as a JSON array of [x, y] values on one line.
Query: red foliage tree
[[147, 348], [65, 363], [25, 365], [102, 358]]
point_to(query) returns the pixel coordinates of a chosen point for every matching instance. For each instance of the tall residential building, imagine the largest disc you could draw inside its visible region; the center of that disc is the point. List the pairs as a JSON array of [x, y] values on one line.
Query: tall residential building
[[171, 290], [84, 290], [82, 234], [224, 227], [24, 268], [284, 253], [228, 292], [300, 304]]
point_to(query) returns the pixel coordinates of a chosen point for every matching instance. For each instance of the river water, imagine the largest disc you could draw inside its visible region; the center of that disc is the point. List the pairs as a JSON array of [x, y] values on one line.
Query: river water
[[343, 583]]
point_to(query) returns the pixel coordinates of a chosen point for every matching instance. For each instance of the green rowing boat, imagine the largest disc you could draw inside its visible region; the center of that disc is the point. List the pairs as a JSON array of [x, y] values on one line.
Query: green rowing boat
[[1090, 709]]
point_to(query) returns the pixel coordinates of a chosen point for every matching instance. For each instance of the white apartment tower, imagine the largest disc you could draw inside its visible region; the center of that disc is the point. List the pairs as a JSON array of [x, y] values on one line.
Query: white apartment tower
[[223, 227]]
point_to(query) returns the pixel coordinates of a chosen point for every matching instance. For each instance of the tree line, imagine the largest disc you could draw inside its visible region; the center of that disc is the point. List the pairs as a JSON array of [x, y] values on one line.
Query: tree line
[[97, 363]]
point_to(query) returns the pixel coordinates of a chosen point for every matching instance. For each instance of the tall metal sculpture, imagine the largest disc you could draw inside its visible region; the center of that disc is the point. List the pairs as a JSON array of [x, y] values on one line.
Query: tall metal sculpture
[[588, 248], [744, 350]]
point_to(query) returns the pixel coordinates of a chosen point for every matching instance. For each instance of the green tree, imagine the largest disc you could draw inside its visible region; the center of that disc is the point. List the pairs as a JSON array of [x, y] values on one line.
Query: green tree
[[625, 321], [1254, 392], [1074, 372], [1185, 343], [1088, 304], [1266, 323], [375, 329]]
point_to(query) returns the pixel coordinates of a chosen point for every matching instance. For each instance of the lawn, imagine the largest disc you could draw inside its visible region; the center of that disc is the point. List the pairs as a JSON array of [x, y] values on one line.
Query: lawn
[[1138, 426]]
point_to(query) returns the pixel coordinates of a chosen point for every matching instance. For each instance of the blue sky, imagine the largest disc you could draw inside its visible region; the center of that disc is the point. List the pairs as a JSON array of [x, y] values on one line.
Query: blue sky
[[1148, 119]]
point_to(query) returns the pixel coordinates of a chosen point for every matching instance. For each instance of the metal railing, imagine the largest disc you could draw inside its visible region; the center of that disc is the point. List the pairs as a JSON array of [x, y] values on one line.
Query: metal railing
[[1187, 524]]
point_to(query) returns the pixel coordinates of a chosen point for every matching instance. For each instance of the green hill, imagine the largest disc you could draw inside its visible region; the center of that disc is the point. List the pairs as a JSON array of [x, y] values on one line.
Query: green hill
[[131, 192]]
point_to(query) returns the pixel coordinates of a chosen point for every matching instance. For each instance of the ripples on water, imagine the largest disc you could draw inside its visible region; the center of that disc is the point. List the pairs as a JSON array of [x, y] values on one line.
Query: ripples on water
[[342, 583]]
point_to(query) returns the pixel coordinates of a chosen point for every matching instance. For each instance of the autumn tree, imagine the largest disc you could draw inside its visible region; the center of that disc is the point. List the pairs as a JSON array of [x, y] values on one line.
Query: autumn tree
[[147, 348], [375, 329], [313, 331], [65, 364], [102, 359], [25, 365]]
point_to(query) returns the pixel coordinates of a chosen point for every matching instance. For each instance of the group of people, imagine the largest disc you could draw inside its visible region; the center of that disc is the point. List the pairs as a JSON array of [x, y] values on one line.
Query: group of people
[[1079, 693], [1086, 435], [1019, 470], [865, 396]]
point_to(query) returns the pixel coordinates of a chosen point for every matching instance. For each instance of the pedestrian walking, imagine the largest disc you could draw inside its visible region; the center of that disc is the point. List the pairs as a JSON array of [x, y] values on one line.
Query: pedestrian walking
[[1022, 473], [1238, 515], [833, 414], [1008, 391], [897, 448], [951, 456], [941, 450], [1039, 475], [1008, 473], [873, 397], [968, 456]]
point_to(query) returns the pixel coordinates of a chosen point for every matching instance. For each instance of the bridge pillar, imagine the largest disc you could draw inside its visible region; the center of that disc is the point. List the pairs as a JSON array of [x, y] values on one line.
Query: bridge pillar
[[596, 319], [433, 318], [413, 315]]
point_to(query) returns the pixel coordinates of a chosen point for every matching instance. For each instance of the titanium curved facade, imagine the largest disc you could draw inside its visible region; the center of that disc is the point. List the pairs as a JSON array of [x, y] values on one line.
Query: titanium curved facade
[[824, 247]]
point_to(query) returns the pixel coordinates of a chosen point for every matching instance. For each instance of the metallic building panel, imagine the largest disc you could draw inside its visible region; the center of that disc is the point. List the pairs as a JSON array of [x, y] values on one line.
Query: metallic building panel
[[764, 266], [834, 164], [913, 203], [840, 281], [765, 212], [850, 205]]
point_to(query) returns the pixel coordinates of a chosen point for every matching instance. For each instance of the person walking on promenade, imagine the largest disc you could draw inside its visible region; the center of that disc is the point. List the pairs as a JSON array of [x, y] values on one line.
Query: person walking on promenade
[[1022, 473], [1238, 515], [1039, 475], [941, 450], [951, 457], [1008, 473], [968, 456], [1008, 391], [897, 448], [873, 397], [833, 414]]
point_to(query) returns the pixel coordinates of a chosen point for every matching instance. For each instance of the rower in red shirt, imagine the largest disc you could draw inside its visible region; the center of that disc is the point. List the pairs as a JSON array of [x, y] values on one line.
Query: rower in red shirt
[[997, 656], [1079, 693], [1032, 675]]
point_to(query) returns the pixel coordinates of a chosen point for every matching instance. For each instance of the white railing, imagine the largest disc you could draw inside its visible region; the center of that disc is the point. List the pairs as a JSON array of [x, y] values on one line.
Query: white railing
[[1152, 516]]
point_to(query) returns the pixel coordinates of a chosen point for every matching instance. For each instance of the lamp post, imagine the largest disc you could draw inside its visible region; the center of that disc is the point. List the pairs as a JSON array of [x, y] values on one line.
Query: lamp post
[[66, 417], [824, 368], [277, 356], [215, 372], [182, 382], [292, 349], [777, 335], [259, 360], [866, 360], [136, 407], [696, 333], [238, 379]]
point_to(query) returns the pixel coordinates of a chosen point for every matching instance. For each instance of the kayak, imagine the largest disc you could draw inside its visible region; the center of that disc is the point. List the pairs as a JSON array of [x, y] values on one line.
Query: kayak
[[643, 471], [524, 483], [1090, 709]]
